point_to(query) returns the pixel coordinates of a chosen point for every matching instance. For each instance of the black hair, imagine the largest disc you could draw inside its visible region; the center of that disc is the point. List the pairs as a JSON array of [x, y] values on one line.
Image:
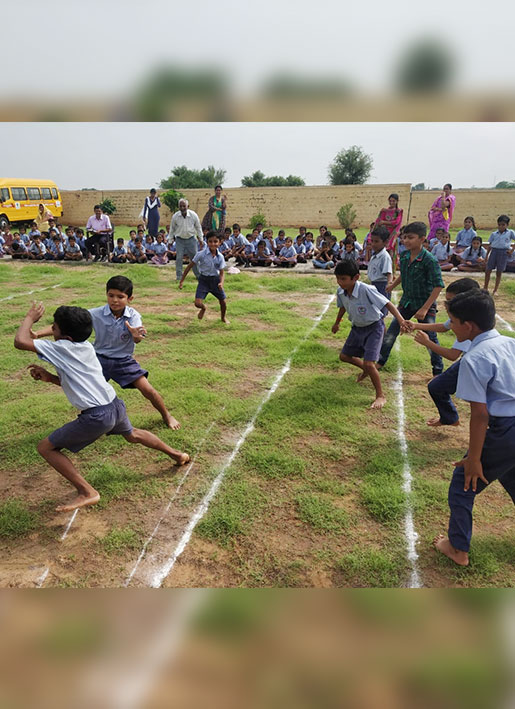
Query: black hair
[[348, 240], [227, 230], [281, 231], [302, 227], [120, 283], [473, 222], [212, 234], [309, 233], [322, 227], [476, 306], [381, 232], [462, 285], [218, 186], [236, 226], [503, 218], [152, 190], [118, 241], [97, 206], [346, 268], [418, 228], [73, 322], [448, 184]]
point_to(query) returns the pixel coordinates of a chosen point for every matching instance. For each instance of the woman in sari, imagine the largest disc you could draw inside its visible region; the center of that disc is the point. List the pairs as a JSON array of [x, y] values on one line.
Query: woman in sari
[[214, 218], [391, 218], [150, 213], [442, 209], [42, 217]]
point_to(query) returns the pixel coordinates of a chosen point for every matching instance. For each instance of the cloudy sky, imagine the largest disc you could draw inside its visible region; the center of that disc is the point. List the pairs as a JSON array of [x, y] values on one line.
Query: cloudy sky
[[139, 155]]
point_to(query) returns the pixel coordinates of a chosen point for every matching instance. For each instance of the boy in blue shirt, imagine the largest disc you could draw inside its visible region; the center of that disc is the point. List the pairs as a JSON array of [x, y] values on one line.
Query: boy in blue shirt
[[211, 265], [364, 305], [80, 375], [498, 248], [118, 327], [379, 271], [486, 380]]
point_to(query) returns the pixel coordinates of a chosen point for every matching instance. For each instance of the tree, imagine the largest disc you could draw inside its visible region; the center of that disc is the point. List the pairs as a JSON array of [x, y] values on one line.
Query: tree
[[346, 215], [108, 206], [425, 66], [258, 179], [418, 186], [350, 167], [256, 219], [183, 178], [171, 199], [505, 185]]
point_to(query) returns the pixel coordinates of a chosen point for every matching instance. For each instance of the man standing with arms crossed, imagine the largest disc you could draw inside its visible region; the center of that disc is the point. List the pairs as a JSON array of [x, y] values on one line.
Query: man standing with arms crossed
[[187, 230]]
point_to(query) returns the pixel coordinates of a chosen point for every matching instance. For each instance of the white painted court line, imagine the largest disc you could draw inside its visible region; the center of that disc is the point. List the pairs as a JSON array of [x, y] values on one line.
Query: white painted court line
[[159, 576], [41, 579], [170, 502], [505, 325], [30, 292]]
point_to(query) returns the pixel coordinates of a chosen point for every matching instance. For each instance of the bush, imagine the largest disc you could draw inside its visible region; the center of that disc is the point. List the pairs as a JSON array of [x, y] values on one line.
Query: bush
[[346, 215], [108, 206], [257, 219], [171, 199]]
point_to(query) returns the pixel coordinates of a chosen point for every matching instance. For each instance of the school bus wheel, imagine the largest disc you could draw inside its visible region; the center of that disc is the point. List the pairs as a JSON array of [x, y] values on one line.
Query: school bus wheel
[[4, 222]]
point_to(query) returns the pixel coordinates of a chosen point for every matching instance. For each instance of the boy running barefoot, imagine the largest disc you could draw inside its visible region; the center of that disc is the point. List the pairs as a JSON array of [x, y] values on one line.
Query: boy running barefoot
[[365, 307], [211, 265], [80, 375]]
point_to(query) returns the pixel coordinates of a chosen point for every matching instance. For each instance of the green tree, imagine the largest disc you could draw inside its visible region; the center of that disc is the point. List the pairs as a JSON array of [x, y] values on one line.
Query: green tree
[[183, 178], [257, 219], [258, 179], [346, 215], [108, 206], [505, 185], [425, 66], [350, 167], [171, 199], [418, 186]]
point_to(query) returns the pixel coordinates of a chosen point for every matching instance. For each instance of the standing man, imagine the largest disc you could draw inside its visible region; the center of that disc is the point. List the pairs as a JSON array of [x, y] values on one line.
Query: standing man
[[99, 229], [187, 230]]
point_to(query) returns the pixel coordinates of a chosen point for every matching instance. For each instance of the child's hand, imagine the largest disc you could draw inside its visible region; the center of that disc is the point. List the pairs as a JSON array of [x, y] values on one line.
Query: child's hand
[[136, 331], [36, 310], [220, 285], [39, 373], [472, 471], [33, 334], [389, 288], [335, 327], [420, 314], [409, 326], [422, 338], [180, 285]]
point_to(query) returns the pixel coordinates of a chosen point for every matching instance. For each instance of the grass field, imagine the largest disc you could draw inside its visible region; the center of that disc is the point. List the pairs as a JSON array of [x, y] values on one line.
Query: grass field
[[313, 495]]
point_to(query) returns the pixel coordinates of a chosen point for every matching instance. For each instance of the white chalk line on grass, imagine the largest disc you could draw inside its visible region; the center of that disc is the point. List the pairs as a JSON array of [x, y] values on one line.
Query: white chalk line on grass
[[160, 575], [30, 292], [506, 325], [170, 502], [41, 580], [409, 526]]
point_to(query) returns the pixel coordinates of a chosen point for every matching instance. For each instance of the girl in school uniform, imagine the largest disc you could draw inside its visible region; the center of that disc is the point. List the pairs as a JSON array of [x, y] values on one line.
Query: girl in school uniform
[[287, 256], [474, 257], [442, 251]]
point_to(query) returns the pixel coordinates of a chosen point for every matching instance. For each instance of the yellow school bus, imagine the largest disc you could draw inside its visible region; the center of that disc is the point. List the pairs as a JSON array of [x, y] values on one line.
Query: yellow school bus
[[20, 199]]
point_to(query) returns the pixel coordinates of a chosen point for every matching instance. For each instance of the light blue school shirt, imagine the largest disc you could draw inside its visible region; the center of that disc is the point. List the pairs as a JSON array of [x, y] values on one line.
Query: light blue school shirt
[[56, 249], [464, 237], [379, 266], [309, 246], [287, 252], [75, 249], [135, 251], [299, 248], [457, 345], [501, 241], [364, 306], [250, 249], [471, 254], [79, 371], [209, 265], [25, 238], [239, 240], [440, 252], [487, 373], [35, 249], [112, 339], [160, 249], [119, 251], [263, 252]]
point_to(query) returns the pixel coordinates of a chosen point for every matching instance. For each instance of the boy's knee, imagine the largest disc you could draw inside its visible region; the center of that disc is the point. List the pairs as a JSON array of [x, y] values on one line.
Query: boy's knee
[[44, 446], [133, 436], [368, 365], [344, 357]]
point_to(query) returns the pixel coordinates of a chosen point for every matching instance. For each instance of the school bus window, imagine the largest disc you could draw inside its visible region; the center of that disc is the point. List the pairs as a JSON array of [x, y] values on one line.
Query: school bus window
[[45, 191], [54, 193], [33, 192], [4, 195], [18, 193]]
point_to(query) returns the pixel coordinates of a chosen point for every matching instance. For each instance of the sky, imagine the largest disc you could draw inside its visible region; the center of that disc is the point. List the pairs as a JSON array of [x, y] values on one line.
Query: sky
[[138, 155]]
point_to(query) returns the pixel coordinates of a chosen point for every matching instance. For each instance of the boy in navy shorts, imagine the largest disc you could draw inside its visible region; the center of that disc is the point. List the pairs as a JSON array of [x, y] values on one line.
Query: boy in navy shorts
[[80, 375], [498, 248], [487, 380], [118, 327], [365, 307], [211, 265]]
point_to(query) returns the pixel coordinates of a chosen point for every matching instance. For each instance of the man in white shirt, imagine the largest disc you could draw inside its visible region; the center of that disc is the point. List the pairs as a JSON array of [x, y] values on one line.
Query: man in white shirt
[[187, 231], [100, 229]]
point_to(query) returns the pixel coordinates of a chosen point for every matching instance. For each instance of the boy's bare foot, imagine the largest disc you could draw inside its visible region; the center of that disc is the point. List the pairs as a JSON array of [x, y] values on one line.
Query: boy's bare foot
[[437, 422], [378, 403], [441, 543], [227, 322], [80, 501], [172, 423], [361, 376], [184, 459], [201, 313]]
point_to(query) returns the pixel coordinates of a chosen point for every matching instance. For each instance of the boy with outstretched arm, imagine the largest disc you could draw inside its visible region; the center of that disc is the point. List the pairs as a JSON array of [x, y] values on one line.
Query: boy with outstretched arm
[[487, 381], [118, 327], [80, 375], [211, 265], [364, 305]]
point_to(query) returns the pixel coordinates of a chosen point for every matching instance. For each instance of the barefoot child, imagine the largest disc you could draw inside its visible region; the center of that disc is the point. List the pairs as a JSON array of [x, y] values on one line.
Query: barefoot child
[[80, 375], [380, 269], [443, 385], [364, 305], [486, 380], [118, 328], [498, 247], [211, 265]]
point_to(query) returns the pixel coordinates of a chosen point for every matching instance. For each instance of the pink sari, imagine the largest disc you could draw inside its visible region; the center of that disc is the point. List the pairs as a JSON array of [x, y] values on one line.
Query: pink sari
[[394, 218], [437, 220]]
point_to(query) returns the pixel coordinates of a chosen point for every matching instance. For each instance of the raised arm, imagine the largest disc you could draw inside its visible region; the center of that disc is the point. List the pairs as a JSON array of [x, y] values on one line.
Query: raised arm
[[23, 339]]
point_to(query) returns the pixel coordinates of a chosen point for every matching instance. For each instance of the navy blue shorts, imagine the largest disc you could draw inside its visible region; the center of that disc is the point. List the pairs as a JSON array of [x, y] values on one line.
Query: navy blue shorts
[[209, 284], [122, 370], [90, 424], [365, 341], [497, 260]]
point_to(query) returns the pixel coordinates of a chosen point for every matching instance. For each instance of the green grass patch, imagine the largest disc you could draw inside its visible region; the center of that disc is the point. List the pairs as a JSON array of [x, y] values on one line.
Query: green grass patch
[[371, 567], [15, 519], [320, 513], [273, 464], [383, 498], [120, 540]]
